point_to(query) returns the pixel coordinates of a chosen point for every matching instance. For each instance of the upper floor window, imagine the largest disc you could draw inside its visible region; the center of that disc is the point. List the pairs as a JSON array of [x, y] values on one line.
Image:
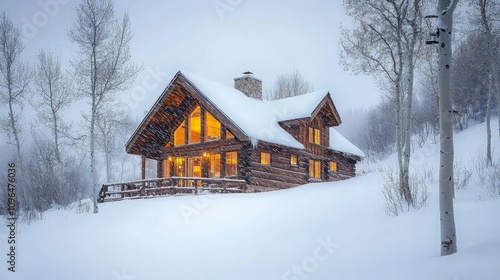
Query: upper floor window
[[314, 135], [212, 127], [265, 158], [180, 134], [194, 135], [229, 134]]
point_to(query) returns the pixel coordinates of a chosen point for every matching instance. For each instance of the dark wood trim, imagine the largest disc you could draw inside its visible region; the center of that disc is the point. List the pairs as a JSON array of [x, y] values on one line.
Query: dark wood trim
[[143, 167]]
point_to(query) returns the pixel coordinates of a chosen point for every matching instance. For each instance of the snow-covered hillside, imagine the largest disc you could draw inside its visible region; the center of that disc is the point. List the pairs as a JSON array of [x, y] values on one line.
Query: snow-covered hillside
[[318, 231]]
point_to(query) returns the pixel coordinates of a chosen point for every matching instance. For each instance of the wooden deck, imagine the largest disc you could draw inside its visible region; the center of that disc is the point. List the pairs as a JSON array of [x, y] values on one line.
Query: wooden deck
[[169, 186]]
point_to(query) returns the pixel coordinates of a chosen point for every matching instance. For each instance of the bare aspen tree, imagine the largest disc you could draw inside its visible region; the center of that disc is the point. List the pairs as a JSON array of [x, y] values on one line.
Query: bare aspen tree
[[385, 44], [111, 124], [289, 85], [103, 66], [55, 95], [447, 215], [488, 10], [14, 80]]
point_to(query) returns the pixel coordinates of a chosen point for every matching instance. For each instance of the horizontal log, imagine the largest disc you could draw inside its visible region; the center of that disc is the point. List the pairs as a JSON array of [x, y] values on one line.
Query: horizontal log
[[280, 178], [296, 173], [271, 184]]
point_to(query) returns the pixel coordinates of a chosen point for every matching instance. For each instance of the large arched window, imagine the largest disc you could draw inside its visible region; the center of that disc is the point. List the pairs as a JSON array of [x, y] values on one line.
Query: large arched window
[[194, 135], [212, 127], [180, 135]]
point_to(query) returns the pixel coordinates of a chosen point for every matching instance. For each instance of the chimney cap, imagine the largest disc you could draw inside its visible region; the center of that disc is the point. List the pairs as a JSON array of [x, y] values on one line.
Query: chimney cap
[[247, 74]]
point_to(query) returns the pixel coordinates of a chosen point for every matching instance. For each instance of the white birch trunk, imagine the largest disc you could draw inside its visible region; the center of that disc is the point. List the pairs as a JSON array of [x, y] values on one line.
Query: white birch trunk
[[407, 144], [93, 171], [401, 136], [488, 122], [493, 77], [447, 218]]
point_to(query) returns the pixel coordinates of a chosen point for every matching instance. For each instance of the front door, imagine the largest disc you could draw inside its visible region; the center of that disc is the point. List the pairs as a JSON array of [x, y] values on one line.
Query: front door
[[194, 167]]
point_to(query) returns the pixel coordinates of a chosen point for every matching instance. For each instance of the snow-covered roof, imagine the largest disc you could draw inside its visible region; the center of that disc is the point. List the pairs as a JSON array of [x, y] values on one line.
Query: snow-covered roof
[[297, 107], [341, 144], [259, 119]]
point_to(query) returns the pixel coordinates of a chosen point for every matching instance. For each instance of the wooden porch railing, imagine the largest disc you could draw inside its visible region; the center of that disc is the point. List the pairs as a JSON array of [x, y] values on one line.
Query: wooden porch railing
[[169, 186]]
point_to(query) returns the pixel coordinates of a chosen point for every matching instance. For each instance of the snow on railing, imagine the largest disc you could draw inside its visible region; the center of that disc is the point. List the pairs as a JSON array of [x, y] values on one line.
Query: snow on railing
[[169, 186]]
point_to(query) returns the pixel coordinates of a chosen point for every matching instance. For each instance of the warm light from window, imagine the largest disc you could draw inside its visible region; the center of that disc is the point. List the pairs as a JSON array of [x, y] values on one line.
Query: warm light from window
[[314, 135], [212, 127], [315, 169], [229, 134], [180, 135], [195, 125], [293, 160], [214, 166], [231, 164], [333, 166], [265, 158]]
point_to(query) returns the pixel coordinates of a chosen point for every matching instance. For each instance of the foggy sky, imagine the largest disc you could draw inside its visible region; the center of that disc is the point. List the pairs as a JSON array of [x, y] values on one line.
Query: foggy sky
[[217, 39]]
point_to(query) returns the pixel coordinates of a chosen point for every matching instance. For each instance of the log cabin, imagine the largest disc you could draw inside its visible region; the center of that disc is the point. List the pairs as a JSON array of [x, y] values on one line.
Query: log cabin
[[201, 128]]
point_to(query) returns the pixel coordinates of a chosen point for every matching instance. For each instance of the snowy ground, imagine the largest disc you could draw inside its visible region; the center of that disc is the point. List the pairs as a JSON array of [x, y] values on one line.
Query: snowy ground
[[317, 231]]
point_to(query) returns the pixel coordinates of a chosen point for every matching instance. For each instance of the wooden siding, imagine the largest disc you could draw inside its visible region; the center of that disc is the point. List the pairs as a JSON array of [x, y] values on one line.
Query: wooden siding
[[280, 173]]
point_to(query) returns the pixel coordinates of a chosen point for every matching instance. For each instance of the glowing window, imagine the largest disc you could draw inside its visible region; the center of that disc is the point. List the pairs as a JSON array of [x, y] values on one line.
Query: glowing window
[[212, 127], [265, 158], [195, 126], [180, 135], [333, 166], [214, 166], [231, 164], [179, 167], [229, 134], [314, 135], [293, 160], [194, 166], [315, 169]]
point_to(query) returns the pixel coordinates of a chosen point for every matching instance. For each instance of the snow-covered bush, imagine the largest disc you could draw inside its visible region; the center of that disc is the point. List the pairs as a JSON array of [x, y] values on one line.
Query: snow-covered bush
[[81, 206], [487, 176], [395, 202], [492, 180], [461, 176]]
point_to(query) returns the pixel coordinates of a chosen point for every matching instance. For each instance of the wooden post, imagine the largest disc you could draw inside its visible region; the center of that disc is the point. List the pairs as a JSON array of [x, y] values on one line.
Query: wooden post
[[159, 169], [143, 167]]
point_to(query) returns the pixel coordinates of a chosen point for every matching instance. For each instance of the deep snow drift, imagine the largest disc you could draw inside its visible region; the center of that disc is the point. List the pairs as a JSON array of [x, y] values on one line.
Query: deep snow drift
[[317, 231]]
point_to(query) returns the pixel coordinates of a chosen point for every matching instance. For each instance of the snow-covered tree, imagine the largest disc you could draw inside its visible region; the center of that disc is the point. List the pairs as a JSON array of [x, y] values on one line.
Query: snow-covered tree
[[113, 126], [14, 81], [54, 95], [385, 43], [288, 85], [103, 66], [447, 215], [489, 11]]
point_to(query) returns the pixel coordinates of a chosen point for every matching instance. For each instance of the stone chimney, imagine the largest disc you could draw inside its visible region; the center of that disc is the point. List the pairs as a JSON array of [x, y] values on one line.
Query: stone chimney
[[249, 85]]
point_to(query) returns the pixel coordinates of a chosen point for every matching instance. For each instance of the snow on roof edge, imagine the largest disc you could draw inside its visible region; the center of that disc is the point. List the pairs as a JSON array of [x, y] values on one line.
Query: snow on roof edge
[[339, 143]]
